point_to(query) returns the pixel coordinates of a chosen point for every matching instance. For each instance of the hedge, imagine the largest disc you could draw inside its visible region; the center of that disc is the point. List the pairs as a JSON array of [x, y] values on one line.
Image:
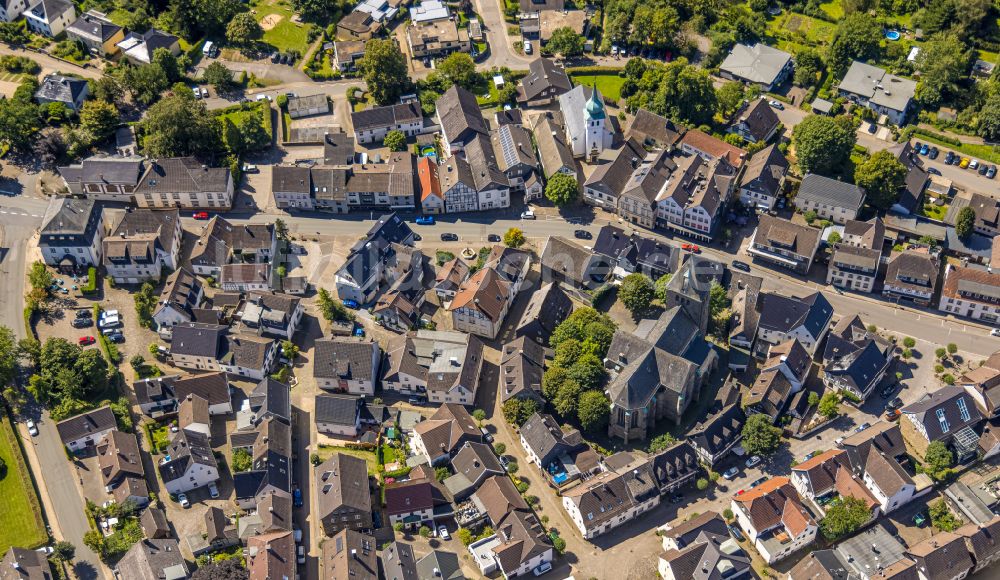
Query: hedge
[[91, 286], [594, 70]]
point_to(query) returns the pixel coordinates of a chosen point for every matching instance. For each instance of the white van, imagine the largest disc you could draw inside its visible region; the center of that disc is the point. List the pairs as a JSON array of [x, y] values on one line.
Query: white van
[[209, 49]]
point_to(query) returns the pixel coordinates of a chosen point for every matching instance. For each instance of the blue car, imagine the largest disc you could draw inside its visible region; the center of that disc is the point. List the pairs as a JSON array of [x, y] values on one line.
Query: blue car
[[924, 150], [359, 331], [352, 304], [425, 220], [297, 497]]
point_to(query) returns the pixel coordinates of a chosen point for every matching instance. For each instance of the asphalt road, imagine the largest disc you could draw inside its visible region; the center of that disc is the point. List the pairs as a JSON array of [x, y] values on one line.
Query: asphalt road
[[966, 179], [19, 217]]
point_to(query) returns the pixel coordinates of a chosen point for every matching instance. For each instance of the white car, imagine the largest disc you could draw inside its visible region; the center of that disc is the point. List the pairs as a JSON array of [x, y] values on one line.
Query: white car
[[197, 93], [541, 568], [527, 215], [995, 332], [839, 441], [182, 499], [213, 491], [776, 105], [302, 554], [443, 533], [731, 472], [109, 313], [527, 47], [753, 461], [204, 93], [32, 428], [45, 550], [263, 98]]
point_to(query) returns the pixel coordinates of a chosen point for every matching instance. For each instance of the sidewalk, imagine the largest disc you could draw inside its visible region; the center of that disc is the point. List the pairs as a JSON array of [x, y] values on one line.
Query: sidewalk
[[43, 491]]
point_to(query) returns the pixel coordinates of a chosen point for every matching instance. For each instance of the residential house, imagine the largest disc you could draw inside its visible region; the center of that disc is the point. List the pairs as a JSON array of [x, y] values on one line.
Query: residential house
[[981, 384], [637, 203], [981, 542], [181, 294], [828, 475], [653, 131], [805, 319], [473, 463], [782, 375], [785, 244], [343, 494], [949, 415], [364, 270], [587, 130], [857, 257], [546, 309], [565, 262], [54, 88], [200, 346], [609, 180], [912, 275], [944, 555], [545, 82], [744, 293], [696, 197], [715, 437], [554, 154], [188, 463], [709, 148], [522, 363], [490, 183], [888, 560], [410, 502], [245, 277], [291, 186], [442, 366], [874, 88], [72, 232], [917, 179], [118, 457], [759, 64], [774, 520], [272, 555], [544, 441], [150, 559], [437, 38], [444, 433], [855, 359], [440, 564], [987, 214], [831, 199], [372, 125], [709, 554], [49, 17], [971, 291], [155, 524], [481, 304], [515, 157], [138, 48], [349, 554], [449, 278], [519, 545], [756, 122], [460, 119], [764, 178], [398, 561], [347, 365], [95, 31], [271, 314], [219, 533], [193, 415], [347, 53], [338, 414], [184, 182], [104, 178], [9, 13], [132, 489], [357, 25], [876, 453], [86, 429], [431, 196], [141, 245], [497, 497], [329, 184]]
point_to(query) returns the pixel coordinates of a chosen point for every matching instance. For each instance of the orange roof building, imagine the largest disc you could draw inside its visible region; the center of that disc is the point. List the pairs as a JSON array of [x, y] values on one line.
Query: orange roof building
[[774, 519], [431, 196], [481, 304]]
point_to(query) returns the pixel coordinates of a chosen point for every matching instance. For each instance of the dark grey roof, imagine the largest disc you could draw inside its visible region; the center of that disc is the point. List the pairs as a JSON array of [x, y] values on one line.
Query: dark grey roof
[[638, 382], [153, 560], [344, 358], [521, 366], [342, 482], [182, 175], [197, 339], [31, 565], [69, 216], [290, 179], [460, 114], [948, 403], [543, 74], [855, 355], [104, 169], [100, 419], [612, 178], [439, 564], [648, 125], [337, 409], [389, 116], [92, 24], [59, 88], [612, 242], [546, 438], [719, 431], [213, 387], [759, 118], [765, 170], [546, 309], [187, 448], [305, 103], [823, 190], [49, 10], [398, 562], [271, 397], [786, 313], [154, 523]]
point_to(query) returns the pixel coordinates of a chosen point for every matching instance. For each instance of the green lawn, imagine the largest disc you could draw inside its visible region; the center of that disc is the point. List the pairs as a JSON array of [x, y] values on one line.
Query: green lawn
[[21, 514], [609, 84], [325, 451], [935, 212], [833, 8], [802, 29], [159, 436], [238, 112], [285, 35]]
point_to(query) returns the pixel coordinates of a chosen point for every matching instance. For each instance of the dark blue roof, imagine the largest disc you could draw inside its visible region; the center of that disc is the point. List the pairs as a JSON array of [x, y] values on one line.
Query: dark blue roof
[[820, 313]]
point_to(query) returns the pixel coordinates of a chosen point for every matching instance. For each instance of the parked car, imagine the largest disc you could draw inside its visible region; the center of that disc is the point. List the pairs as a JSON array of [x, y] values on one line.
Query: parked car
[[504, 461], [974, 164], [892, 415], [933, 171], [83, 322], [32, 428], [862, 427], [949, 158], [493, 238], [527, 50], [425, 220], [741, 265], [583, 234], [352, 304], [197, 93], [449, 237], [934, 153], [995, 332], [116, 337], [896, 403], [182, 499], [109, 322], [964, 162], [86, 340], [754, 460], [250, 168], [443, 533], [758, 482], [925, 149], [297, 497], [213, 491], [983, 168], [693, 248], [991, 172], [838, 441], [200, 215], [776, 104], [731, 472], [735, 532], [204, 93], [302, 554], [84, 313], [544, 567], [487, 436], [527, 215], [45, 550]]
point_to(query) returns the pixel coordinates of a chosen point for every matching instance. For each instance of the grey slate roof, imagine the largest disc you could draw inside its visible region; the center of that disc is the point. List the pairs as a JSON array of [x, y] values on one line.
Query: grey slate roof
[[460, 114], [305, 103], [68, 216], [766, 169], [389, 116], [647, 125], [187, 448], [786, 313], [949, 401], [553, 152], [197, 339], [758, 63], [819, 189], [347, 358], [100, 419], [337, 409], [439, 564], [290, 179], [342, 482], [92, 24], [878, 86], [521, 366], [720, 430], [182, 175], [59, 88], [153, 560], [543, 73], [759, 118]]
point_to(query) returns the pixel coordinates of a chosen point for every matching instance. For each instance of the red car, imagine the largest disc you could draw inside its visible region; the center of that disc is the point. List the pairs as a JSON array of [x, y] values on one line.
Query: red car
[[690, 248], [200, 215], [85, 340]]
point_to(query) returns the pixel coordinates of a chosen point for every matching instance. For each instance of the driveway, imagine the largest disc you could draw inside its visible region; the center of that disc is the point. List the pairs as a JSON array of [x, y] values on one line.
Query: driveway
[[51, 65]]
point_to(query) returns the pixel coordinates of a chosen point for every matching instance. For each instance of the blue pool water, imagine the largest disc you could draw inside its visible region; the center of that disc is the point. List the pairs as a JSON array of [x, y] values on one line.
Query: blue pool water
[[892, 34]]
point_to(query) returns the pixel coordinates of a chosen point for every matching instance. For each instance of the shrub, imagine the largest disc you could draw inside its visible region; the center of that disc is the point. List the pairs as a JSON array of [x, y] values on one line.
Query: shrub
[[702, 484], [909, 342]]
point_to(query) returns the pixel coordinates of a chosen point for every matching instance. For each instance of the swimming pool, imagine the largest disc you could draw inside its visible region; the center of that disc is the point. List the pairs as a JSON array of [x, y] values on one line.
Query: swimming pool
[[428, 151], [892, 34]]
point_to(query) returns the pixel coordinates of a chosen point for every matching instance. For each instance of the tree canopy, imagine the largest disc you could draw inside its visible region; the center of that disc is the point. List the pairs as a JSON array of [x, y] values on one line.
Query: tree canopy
[[179, 125], [857, 37], [566, 42], [244, 30], [561, 189], [458, 68], [677, 90], [965, 222], [513, 238], [593, 409], [760, 437], [881, 176], [844, 516], [943, 62], [395, 140], [636, 292], [823, 143], [385, 71]]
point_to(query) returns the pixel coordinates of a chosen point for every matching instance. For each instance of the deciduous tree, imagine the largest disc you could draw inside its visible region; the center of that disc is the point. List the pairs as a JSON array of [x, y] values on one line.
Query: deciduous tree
[[384, 69], [965, 222], [561, 189], [823, 143], [881, 176], [636, 293], [593, 410], [244, 30], [760, 437], [566, 42]]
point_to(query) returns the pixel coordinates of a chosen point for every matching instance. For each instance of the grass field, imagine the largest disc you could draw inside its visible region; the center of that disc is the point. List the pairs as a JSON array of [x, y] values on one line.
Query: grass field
[[285, 35], [833, 8], [935, 212], [325, 451], [609, 84], [19, 508], [801, 29]]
